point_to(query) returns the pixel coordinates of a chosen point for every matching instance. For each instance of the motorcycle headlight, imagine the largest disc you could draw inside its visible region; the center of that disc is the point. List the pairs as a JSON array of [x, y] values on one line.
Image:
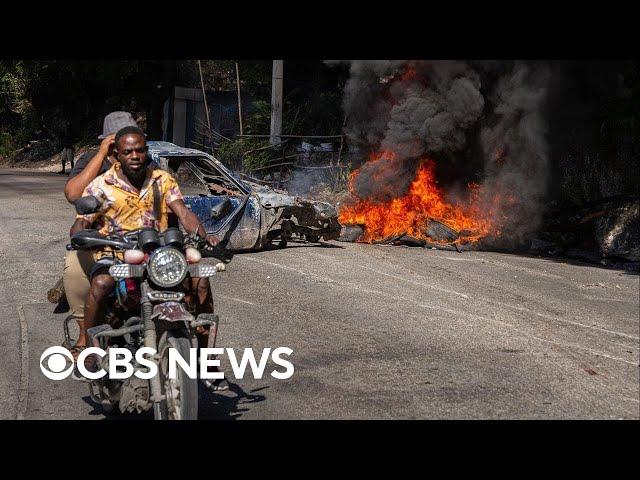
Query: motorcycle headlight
[[167, 267]]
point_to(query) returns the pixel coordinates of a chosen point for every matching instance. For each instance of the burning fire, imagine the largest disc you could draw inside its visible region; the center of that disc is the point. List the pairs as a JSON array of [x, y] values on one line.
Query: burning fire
[[424, 201]]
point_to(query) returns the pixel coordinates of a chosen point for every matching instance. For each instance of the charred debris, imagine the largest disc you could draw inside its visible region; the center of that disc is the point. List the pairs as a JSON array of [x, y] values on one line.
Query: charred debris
[[606, 232]]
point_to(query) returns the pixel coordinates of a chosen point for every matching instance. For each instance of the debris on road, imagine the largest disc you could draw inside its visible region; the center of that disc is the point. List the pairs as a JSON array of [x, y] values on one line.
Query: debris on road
[[440, 232], [56, 293], [351, 233]]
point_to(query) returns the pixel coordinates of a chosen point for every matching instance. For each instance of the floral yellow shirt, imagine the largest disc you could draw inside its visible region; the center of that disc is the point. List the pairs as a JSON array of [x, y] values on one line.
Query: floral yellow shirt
[[123, 208]]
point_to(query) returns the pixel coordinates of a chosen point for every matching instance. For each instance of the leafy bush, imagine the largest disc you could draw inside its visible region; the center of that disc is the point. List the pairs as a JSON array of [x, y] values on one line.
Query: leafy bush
[[259, 121], [6, 144], [234, 153]]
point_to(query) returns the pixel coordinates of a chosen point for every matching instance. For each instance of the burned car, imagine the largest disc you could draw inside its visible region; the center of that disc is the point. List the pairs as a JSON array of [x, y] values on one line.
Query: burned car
[[244, 215]]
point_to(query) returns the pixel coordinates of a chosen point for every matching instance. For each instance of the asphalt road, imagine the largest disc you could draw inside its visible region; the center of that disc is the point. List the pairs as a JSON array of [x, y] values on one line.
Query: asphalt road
[[377, 332]]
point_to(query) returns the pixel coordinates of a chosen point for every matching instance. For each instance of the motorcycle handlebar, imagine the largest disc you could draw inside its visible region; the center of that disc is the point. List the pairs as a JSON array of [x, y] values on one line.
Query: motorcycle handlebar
[[90, 239]]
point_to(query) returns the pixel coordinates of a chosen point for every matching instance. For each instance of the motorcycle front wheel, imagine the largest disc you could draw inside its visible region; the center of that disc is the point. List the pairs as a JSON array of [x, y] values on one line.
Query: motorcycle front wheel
[[181, 393]]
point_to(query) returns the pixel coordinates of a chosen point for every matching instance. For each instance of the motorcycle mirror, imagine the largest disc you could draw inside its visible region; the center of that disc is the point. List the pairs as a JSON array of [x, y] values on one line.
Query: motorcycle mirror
[[87, 205], [221, 209]]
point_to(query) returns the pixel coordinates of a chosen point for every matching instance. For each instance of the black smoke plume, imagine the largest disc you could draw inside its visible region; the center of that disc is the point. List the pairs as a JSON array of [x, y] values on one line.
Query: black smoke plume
[[449, 110]]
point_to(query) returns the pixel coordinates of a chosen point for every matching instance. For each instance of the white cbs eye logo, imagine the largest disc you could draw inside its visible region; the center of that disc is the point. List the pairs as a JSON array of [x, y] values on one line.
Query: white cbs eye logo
[[56, 364]]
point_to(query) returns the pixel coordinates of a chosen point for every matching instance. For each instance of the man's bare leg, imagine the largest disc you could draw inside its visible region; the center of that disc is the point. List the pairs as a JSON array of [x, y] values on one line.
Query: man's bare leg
[[102, 285]]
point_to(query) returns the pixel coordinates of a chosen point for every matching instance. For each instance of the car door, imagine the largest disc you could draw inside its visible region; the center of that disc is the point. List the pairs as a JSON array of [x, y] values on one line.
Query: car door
[[230, 211], [235, 217]]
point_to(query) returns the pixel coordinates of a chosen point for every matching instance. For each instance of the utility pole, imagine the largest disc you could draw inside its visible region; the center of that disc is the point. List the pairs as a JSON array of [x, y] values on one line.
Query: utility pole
[[239, 98], [204, 95], [276, 102]]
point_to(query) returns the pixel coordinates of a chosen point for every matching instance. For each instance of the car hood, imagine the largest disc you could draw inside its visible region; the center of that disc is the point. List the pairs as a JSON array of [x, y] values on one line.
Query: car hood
[[270, 198]]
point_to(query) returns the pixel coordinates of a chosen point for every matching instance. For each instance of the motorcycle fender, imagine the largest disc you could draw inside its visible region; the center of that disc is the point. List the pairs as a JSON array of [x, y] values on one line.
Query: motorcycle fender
[[171, 312]]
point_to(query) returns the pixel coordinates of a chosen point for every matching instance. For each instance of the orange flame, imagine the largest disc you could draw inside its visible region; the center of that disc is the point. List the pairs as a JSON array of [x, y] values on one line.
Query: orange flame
[[424, 201]]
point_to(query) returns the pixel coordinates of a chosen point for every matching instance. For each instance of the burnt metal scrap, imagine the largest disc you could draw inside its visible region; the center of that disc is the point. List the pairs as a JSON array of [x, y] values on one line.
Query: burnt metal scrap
[[244, 215], [439, 235], [438, 231], [351, 233], [606, 231]]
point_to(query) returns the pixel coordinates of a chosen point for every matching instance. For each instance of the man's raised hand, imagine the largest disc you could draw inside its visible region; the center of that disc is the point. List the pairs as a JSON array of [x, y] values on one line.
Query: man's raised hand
[[106, 143]]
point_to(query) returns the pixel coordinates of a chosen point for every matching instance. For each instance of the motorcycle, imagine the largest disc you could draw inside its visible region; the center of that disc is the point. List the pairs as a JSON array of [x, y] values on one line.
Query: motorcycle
[[149, 308]]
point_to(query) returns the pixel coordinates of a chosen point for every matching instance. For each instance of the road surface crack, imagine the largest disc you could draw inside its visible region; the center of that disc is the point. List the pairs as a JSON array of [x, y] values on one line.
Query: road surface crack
[[23, 390]]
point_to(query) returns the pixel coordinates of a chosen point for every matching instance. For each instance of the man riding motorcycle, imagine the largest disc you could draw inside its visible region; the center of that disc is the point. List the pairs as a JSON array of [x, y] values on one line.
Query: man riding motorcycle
[[95, 162], [134, 195]]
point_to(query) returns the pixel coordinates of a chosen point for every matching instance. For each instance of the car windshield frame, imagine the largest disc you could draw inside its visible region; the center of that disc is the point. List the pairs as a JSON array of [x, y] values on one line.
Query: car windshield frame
[[174, 152]]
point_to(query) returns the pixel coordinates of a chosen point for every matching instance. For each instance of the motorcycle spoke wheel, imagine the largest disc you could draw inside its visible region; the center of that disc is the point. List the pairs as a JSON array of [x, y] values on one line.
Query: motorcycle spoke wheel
[[172, 394], [181, 393]]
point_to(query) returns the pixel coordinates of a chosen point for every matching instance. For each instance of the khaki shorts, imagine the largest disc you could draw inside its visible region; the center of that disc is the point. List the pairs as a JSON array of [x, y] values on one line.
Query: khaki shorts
[[77, 269]]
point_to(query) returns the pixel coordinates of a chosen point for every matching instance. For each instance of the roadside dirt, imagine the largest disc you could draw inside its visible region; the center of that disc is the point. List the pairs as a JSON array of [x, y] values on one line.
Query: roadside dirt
[[50, 163]]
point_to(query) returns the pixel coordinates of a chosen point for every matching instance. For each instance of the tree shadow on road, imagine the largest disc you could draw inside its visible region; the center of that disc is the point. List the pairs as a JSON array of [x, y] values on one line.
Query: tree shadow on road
[[294, 244], [622, 267], [115, 414], [225, 405]]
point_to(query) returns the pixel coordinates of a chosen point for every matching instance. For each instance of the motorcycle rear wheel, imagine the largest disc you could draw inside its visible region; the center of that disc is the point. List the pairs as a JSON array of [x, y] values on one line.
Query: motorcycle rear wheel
[[181, 393]]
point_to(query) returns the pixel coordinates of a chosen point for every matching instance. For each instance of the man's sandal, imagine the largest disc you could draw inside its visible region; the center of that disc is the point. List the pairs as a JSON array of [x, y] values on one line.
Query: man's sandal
[[218, 385], [76, 350]]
